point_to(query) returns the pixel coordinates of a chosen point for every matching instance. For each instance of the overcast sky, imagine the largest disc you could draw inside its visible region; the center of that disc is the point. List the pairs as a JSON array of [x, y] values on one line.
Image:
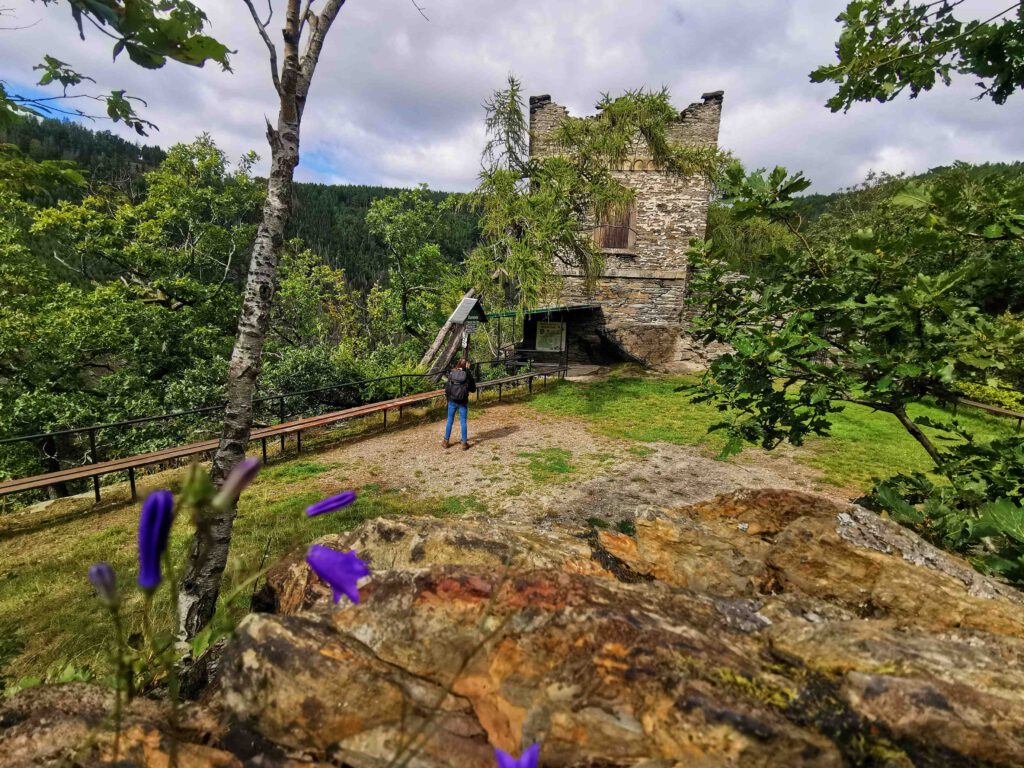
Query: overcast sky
[[397, 99]]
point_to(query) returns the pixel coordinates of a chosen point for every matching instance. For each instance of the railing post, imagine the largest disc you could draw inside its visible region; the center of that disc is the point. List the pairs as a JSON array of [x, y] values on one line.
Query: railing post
[[131, 482], [280, 418], [529, 384], [93, 460], [264, 441], [298, 441], [401, 385]]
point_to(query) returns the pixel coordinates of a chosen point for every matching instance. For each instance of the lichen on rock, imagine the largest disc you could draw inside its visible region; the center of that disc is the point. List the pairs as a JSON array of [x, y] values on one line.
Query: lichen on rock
[[764, 628]]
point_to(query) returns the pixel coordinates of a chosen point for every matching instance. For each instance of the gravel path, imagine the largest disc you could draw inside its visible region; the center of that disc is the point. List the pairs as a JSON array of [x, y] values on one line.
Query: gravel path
[[524, 463]]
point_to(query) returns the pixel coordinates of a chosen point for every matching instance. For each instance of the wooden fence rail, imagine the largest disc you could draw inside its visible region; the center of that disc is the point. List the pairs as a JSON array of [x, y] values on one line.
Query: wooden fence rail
[[262, 434]]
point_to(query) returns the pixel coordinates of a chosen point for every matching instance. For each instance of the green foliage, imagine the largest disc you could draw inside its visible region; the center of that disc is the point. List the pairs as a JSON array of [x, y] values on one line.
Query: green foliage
[[888, 47], [331, 220], [975, 512], [1001, 397], [39, 183], [538, 211], [103, 157], [149, 31], [57, 674], [743, 243], [904, 291], [111, 308], [881, 308], [115, 305], [408, 225], [862, 196]]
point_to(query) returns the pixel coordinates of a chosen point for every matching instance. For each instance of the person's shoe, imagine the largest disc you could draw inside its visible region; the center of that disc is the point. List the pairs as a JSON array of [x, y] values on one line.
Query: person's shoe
[[465, 446], [444, 443]]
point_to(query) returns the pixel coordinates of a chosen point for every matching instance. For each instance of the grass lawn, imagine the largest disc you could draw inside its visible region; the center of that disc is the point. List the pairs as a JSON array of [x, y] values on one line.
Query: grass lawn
[[863, 444], [48, 612], [51, 625], [47, 607]]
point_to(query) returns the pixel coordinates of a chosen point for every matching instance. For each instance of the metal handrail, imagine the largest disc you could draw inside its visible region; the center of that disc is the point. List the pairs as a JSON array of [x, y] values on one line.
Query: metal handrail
[[398, 403], [221, 406]]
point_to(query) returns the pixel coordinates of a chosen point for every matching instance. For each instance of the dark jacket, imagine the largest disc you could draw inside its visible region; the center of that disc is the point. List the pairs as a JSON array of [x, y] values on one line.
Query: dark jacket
[[460, 384]]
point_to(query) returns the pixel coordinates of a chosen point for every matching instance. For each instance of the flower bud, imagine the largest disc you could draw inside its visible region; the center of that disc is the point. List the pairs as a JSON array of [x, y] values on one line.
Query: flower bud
[[237, 481], [103, 580]]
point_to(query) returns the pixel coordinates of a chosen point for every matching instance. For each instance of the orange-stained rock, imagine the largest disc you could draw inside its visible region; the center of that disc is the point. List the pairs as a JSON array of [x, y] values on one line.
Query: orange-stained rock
[[72, 725], [767, 628], [759, 628]]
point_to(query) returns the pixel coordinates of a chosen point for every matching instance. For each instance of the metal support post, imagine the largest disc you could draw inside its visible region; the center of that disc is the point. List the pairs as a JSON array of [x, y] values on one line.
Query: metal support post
[[93, 460]]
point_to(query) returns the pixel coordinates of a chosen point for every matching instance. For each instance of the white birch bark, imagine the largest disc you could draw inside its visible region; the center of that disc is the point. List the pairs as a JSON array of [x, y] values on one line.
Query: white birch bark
[[209, 550]]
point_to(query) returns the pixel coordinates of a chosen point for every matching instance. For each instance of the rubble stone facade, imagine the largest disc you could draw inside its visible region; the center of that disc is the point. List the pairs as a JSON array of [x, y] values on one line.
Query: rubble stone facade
[[642, 291]]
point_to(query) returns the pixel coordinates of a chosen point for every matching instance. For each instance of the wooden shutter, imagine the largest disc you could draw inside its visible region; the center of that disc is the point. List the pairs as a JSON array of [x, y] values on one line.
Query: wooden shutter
[[613, 229]]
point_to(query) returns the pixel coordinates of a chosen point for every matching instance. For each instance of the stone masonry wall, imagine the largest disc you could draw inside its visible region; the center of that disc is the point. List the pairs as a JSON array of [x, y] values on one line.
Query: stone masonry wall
[[643, 288]]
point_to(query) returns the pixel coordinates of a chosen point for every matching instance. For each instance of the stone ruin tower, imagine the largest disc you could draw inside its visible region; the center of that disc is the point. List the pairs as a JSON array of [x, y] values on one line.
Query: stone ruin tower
[[641, 295]]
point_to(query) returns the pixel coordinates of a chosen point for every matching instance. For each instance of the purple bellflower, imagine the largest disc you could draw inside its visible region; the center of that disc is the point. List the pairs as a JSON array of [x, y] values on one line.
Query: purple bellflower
[[238, 480], [332, 504], [103, 580], [154, 529], [527, 760], [341, 570]]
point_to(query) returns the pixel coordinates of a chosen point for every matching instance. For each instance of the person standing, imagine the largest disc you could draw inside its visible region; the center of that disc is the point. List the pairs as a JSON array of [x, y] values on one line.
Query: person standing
[[457, 390]]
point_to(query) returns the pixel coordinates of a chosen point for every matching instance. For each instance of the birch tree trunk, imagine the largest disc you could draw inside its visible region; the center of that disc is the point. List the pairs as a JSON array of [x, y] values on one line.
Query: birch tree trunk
[[210, 545]]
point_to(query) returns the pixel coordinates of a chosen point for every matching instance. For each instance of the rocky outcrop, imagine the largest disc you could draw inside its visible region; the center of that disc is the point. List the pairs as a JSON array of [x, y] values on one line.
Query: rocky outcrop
[[769, 628]]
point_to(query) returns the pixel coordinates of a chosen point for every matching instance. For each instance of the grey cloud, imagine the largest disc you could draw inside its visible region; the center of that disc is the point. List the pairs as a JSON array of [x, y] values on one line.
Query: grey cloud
[[397, 100]]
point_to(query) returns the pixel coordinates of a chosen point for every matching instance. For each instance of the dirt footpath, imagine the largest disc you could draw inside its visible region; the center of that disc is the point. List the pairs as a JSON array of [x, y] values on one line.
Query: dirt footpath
[[525, 464]]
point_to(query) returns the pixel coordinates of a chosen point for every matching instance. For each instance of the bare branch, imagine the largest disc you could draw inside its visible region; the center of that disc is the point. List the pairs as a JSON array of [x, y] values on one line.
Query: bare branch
[[262, 27], [317, 35], [304, 16], [13, 29], [421, 9]]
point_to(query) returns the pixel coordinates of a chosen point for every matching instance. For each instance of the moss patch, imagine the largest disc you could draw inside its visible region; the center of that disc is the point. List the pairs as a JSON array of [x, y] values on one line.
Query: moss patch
[[296, 470], [548, 464]]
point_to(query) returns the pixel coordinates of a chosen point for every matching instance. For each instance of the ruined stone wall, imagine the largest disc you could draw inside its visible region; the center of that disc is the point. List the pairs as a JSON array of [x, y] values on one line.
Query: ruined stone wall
[[643, 288]]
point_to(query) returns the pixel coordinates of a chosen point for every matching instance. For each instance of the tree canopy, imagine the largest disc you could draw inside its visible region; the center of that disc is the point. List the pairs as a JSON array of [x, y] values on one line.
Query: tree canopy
[[887, 47], [149, 31], [538, 212]]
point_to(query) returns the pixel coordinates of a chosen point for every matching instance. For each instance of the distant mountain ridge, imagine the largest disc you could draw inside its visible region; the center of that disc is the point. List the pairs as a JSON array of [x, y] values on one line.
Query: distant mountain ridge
[[813, 205]]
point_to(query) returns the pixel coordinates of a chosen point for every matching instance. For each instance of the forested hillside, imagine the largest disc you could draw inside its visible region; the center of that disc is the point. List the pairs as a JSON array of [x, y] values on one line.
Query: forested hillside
[[329, 218], [812, 206], [121, 272], [103, 156]]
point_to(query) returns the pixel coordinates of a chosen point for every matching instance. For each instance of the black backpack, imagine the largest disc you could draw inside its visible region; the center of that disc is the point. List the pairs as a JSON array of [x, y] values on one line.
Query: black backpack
[[457, 388]]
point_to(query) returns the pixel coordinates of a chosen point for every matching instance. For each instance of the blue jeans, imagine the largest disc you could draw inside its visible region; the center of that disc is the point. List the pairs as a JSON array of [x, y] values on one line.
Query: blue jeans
[[463, 409]]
